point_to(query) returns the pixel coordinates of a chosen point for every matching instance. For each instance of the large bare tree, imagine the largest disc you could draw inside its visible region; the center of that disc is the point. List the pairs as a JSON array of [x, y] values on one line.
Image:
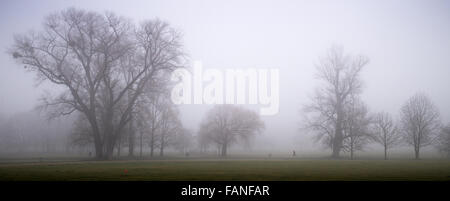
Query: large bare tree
[[340, 74], [226, 124], [103, 62], [420, 122], [385, 132]]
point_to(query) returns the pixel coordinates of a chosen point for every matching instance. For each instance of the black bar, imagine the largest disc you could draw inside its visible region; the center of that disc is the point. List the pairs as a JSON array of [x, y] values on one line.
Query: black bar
[[165, 190]]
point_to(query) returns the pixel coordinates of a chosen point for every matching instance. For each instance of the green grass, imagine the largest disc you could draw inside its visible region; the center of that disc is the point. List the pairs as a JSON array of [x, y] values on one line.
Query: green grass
[[229, 170]]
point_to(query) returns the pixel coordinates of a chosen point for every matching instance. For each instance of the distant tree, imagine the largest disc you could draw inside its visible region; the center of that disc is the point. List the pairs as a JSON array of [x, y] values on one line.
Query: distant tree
[[131, 133], [104, 63], [326, 114], [183, 140], [226, 124], [203, 139], [443, 141], [9, 135], [147, 120], [385, 132], [152, 117], [29, 132], [157, 120], [170, 126], [81, 134], [356, 126], [420, 122]]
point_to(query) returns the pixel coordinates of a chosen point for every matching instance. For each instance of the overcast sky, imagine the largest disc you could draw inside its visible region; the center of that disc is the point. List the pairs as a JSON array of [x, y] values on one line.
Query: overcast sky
[[408, 43]]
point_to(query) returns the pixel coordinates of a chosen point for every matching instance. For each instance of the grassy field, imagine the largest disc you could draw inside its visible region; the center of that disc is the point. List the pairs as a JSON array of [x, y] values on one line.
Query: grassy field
[[229, 170]]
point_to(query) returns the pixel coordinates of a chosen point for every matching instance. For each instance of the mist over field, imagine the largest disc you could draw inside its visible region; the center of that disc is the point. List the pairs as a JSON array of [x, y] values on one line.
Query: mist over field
[[406, 45]]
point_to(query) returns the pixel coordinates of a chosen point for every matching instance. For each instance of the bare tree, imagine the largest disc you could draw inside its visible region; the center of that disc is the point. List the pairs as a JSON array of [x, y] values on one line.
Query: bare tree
[[225, 124], [103, 62], [203, 139], [131, 132], [81, 134], [325, 115], [183, 140], [420, 122], [153, 117], [356, 126], [443, 141], [170, 125], [385, 132]]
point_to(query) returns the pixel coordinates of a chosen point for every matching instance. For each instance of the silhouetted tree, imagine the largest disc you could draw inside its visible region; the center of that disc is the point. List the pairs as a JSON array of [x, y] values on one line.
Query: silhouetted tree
[[326, 114], [356, 126], [420, 122], [183, 140], [226, 124], [170, 125], [103, 62], [385, 132]]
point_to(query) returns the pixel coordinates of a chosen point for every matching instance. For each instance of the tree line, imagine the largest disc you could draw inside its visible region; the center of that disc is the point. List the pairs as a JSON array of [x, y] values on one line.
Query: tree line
[[115, 77], [342, 122], [115, 80]]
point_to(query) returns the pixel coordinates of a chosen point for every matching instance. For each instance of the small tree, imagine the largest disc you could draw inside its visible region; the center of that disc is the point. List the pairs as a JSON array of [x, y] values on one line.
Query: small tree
[[226, 124], [385, 132], [420, 122]]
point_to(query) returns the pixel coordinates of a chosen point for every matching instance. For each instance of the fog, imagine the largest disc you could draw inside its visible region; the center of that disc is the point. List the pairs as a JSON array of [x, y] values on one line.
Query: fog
[[407, 43]]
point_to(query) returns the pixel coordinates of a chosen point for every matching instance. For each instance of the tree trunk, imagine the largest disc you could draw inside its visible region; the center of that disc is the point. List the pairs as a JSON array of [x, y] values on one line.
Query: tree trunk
[[161, 148], [224, 150], [152, 147], [98, 150], [337, 143], [118, 148], [97, 140], [109, 149], [130, 138], [338, 135], [140, 146], [152, 141], [385, 153], [417, 153], [351, 153], [109, 134]]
